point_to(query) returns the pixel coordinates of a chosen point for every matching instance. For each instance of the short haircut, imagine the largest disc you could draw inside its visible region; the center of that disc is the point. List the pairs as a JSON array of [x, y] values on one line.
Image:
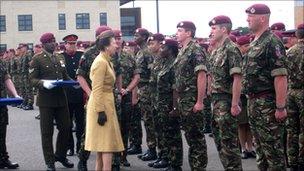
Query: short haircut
[[300, 33], [228, 27], [191, 30]]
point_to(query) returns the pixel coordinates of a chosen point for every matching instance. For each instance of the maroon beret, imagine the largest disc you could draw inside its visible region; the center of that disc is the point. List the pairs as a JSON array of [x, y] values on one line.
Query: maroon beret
[[232, 38], [38, 46], [243, 40], [133, 44], [12, 50], [21, 45], [47, 38], [236, 33], [117, 33], [300, 26], [157, 36], [289, 33], [221, 19], [278, 26], [142, 31], [170, 42], [186, 25], [70, 38], [258, 9], [101, 29], [278, 33]]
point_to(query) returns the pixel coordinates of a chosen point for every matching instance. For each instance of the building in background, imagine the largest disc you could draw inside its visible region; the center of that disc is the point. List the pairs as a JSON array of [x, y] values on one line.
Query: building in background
[[130, 20], [24, 21], [299, 12]]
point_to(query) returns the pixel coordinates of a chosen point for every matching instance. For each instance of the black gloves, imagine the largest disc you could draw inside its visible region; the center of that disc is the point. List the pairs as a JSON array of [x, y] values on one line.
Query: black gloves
[[102, 118]]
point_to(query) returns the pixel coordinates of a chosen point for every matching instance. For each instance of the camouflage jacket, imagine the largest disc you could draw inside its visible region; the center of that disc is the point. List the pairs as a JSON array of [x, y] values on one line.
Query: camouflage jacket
[[295, 65], [188, 62], [116, 63], [85, 63], [144, 62], [226, 60], [165, 79], [25, 63], [128, 68], [15, 65], [3, 76], [265, 59]]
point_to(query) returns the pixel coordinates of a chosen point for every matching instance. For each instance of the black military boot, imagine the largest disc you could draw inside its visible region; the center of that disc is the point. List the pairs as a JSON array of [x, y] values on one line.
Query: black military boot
[[152, 163], [294, 168], [135, 149], [64, 161], [301, 167], [173, 168], [6, 163], [163, 163], [50, 167], [149, 155], [124, 161], [115, 167], [28, 107], [70, 152], [82, 165]]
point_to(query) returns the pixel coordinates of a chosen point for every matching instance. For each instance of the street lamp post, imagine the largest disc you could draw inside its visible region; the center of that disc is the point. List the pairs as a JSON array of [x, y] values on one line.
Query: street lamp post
[[157, 17]]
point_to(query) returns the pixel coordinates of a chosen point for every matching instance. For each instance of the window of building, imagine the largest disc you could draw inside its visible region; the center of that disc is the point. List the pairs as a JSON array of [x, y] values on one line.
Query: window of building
[[128, 25], [2, 23], [61, 22], [83, 21], [25, 23], [3, 47], [103, 18]]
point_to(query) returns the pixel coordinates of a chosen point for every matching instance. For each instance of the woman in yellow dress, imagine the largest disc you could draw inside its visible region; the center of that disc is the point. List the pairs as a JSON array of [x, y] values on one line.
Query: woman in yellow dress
[[102, 128]]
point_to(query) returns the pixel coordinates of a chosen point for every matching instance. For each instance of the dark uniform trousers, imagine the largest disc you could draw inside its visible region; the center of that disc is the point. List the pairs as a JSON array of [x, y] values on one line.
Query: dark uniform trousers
[[3, 125], [126, 111], [76, 111], [47, 115]]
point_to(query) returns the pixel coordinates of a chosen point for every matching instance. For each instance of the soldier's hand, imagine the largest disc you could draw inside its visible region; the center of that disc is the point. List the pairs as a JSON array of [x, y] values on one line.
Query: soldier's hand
[[280, 115], [235, 110], [124, 91], [198, 107]]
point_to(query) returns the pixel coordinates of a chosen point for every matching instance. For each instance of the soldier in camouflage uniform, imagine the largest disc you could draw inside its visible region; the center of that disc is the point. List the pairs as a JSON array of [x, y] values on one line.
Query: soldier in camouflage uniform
[[5, 81], [129, 77], [27, 90], [135, 129], [83, 77], [265, 84], [144, 61], [226, 90], [154, 44], [15, 70], [190, 83], [169, 134], [295, 114]]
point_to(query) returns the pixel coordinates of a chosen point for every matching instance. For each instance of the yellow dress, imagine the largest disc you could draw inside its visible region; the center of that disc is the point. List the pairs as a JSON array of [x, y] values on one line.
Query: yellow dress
[[106, 138]]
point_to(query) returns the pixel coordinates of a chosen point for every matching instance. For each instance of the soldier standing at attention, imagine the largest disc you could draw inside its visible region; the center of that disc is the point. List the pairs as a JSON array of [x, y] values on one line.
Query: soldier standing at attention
[[265, 84], [83, 77], [74, 94], [226, 85], [5, 81], [295, 114], [45, 68], [144, 60], [190, 83], [27, 90]]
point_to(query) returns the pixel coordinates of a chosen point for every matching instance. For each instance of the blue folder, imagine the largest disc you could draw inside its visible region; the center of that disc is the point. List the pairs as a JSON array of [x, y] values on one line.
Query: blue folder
[[68, 83]]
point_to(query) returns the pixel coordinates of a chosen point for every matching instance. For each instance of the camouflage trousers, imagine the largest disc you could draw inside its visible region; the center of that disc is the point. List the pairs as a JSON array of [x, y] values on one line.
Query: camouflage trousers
[[148, 117], [193, 125], [226, 132], [169, 135], [117, 97], [295, 127], [135, 130], [267, 132], [27, 91], [207, 113], [83, 154], [126, 112], [16, 78]]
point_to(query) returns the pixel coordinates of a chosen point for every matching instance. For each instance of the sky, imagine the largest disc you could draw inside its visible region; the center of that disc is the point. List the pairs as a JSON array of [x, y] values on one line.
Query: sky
[[201, 12]]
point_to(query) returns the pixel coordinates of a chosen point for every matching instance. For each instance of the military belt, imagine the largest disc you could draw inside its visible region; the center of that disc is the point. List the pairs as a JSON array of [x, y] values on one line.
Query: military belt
[[259, 94], [221, 96]]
